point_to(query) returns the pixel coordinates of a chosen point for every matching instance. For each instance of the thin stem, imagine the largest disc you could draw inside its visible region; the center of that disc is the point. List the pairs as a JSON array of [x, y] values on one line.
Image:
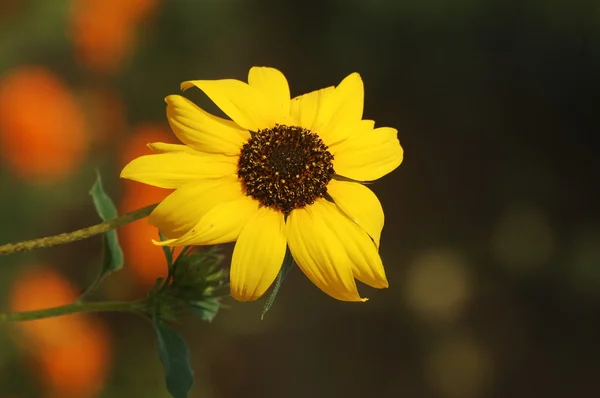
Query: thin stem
[[80, 234], [76, 307]]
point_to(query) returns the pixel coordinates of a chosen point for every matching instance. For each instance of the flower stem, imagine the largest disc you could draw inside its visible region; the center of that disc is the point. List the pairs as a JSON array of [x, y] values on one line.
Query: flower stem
[[80, 234], [76, 307]]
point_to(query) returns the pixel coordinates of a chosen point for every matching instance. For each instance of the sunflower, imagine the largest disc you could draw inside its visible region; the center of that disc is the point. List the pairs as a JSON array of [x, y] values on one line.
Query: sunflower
[[281, 174]]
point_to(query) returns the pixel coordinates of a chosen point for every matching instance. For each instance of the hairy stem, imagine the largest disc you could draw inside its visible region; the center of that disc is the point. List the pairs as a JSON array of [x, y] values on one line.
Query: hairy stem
[[80, 234], [76, 307]]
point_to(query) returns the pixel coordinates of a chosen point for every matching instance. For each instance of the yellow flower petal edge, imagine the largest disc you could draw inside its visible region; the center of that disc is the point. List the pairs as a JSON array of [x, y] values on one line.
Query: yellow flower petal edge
[[331, 112], [273, 84], [369, 156], [244, 104], [163, 147], [202, 131], [174, 169], [340, 110], [221, 224], [319, 252], [362, 253], [306, 108], [360, 204], [179, 212], [258, 255], [360, 129]]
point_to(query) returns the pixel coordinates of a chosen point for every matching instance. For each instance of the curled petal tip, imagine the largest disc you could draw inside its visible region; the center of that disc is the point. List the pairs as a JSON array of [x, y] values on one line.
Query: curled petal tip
[[124, 173], [185, 85], [168, 242]]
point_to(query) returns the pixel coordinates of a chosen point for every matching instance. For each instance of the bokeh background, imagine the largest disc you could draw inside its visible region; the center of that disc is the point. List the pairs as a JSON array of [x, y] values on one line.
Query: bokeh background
[[492, 237]]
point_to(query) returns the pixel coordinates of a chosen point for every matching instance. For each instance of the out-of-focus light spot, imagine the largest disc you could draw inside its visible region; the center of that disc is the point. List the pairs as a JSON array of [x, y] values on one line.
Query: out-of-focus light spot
[[523, 239], [459, 368], [103, 31], [77, 369], [71, 353], [437, 285], [43, 134], [41, 287], [144, 258], [584, 265]]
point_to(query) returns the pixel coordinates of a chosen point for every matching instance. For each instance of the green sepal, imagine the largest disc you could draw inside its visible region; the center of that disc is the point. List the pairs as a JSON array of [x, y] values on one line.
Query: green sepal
[[199, 281], [205, 309]]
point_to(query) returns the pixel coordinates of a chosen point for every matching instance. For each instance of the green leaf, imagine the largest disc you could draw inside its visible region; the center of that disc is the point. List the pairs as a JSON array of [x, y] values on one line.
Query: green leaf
[[174, 354], [113, 255], [205, 309], [288, 263]]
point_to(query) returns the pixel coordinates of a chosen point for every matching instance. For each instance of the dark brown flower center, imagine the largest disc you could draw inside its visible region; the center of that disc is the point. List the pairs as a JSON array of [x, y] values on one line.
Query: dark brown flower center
[[285, 167]]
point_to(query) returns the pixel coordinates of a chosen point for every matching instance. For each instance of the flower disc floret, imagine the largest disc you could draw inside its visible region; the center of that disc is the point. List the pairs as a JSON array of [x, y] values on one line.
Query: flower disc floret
[[285, 167]]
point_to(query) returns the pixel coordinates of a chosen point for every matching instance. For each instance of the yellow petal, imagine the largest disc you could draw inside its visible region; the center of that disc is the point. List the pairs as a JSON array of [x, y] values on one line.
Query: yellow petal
[[342, 131], [273, 84], [258, 255], [341, 110], [179, 212], [245, 105], [319, 251], [352, 246], [163, 147], [173, 169], [366, 262], [367, 157], [363, 127], [305, 108], [221, 224], [201, 130], [360, 204]]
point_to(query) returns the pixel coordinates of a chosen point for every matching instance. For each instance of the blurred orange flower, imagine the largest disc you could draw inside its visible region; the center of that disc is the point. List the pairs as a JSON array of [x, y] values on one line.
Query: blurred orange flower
[[43, 134], [41, 287], [72, 352], [146, 260], [77, 369], [103, 30]]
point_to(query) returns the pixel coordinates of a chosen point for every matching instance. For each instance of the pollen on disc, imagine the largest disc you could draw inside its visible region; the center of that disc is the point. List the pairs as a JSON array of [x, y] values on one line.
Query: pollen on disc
[[285, 167]]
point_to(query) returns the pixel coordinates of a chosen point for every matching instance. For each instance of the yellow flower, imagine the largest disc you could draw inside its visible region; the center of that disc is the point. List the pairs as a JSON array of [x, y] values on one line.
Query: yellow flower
[[282, 173]]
